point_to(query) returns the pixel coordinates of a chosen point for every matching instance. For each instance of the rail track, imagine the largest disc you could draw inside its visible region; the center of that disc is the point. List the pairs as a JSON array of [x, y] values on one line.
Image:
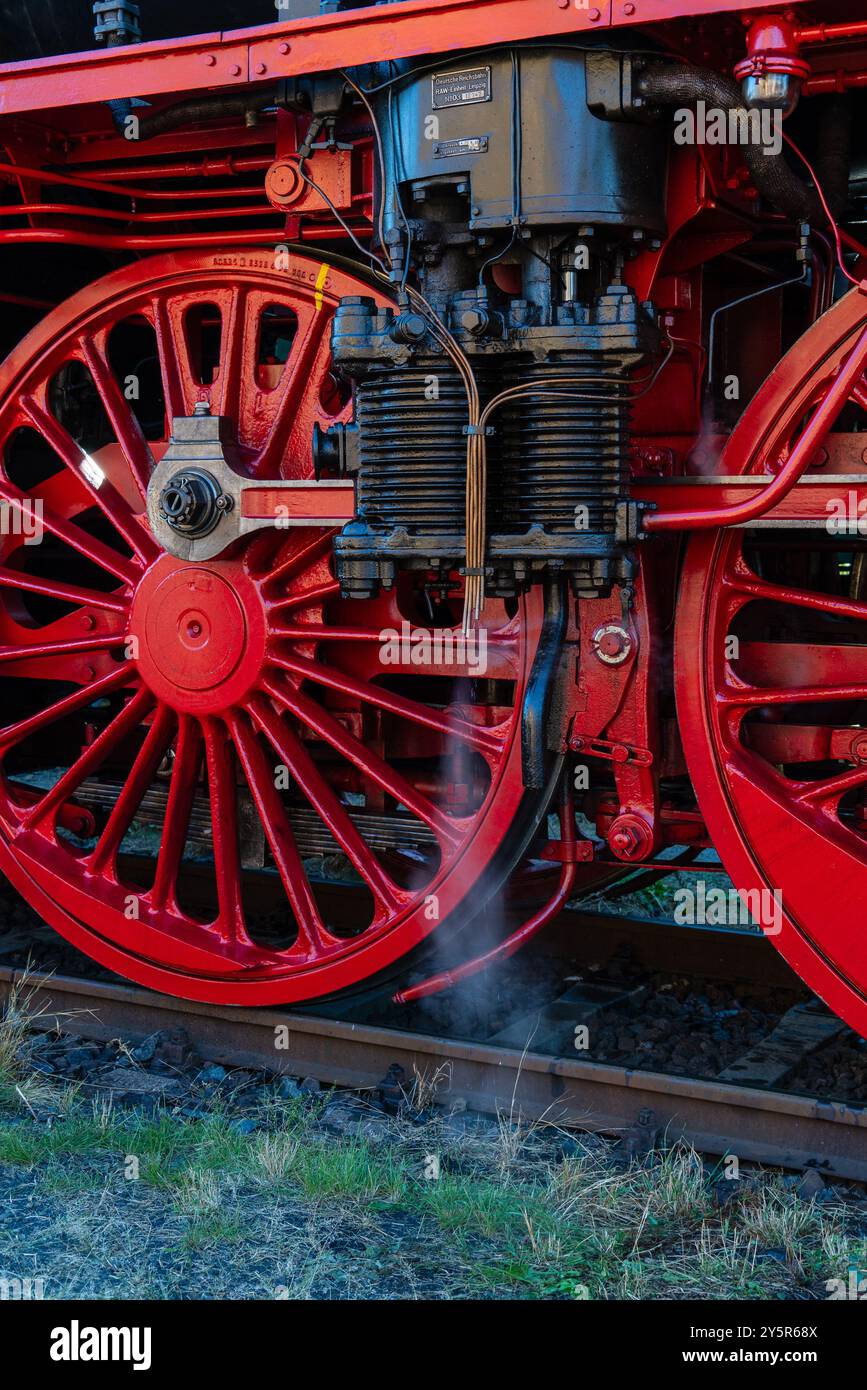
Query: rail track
[[528, 1062]]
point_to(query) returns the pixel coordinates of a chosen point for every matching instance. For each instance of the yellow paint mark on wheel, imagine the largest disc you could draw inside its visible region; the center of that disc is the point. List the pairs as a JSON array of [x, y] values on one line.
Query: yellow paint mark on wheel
[[320, 282]]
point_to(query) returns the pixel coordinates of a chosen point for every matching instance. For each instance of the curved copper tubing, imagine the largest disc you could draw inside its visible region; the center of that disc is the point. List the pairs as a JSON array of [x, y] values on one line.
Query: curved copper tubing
[[794, 467], [436, 983]]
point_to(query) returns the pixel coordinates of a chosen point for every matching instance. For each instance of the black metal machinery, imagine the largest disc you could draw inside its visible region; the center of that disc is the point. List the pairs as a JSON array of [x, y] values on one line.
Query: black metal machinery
[[516, 199]]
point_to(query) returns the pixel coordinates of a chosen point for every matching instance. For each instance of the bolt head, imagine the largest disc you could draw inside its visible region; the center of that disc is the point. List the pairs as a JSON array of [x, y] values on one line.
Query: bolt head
[[630, 837], [474, 320], [612, 644], [283, 183]]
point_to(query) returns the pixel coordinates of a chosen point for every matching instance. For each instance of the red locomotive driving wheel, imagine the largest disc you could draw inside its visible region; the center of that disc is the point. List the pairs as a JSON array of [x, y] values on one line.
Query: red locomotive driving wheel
[[773, 714], [181, 739]]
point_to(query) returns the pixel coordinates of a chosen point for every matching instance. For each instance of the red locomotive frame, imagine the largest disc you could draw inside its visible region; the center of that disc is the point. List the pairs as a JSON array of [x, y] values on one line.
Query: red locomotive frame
[[190, 221]]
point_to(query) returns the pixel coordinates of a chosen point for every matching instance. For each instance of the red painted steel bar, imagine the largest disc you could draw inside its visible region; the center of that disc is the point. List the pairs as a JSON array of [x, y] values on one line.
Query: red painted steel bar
[[837, 81], [518, 938], [228, 168], [115, 215], [376, 33], [95, 183], [826, 33], [795, 465], [107, 241], [809, 502], [320, 504]]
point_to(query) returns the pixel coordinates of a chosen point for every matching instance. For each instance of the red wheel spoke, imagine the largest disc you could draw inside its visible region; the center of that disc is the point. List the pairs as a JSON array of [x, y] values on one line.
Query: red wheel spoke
[[386, 777], [322, 632], [753, 587], [328, 806], [399, 705], [312, 931], [234, 377], [127, 430], [754, 696], [831, 789], [156, 744], [106, 497], [300, 559], [859, 393], [182, 795], [77, 539], [79, 699], [123, 724], [179, 389], [316, 594], [760, 663], [62, 647], [68, 593], [223, 793], [285, 438]]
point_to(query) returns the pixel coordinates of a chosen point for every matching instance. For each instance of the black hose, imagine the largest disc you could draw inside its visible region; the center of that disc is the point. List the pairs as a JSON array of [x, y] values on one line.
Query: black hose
[[665, 85], [203, 109]]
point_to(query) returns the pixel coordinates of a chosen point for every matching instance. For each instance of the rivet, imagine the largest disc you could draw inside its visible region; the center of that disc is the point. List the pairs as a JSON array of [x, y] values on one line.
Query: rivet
[[593, 16], [235, 70], [628, 9], [287, 47], [261, 67], [210, 60]]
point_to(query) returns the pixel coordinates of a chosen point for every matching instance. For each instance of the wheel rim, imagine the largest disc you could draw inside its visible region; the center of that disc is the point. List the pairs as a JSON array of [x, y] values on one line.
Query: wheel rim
[[771, 730], [196, 688]]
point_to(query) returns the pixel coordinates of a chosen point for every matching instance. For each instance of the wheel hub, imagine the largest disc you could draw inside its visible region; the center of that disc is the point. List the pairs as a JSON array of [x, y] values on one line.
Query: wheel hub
[[192, 502], [199, 633]]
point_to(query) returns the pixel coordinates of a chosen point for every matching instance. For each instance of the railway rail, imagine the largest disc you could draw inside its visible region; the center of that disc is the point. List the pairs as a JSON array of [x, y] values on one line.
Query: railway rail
[[528, 1065]]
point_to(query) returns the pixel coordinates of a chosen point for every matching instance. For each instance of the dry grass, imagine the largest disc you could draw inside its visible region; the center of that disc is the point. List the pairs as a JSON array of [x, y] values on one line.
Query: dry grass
[[427, 1087], [16, 1023], [108, 1203]]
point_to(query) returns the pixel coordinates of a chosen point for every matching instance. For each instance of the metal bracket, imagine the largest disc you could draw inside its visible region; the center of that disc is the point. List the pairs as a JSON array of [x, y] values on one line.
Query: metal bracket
[[611, 751], [198, 446]]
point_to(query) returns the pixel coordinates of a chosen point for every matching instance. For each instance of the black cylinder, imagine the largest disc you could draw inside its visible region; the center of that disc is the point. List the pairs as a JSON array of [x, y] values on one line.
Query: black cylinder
[[412, 447], [560, 457]]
